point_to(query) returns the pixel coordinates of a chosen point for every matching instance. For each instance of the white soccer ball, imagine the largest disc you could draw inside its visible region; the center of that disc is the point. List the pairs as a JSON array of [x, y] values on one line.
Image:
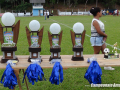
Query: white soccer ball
[[106, 50]]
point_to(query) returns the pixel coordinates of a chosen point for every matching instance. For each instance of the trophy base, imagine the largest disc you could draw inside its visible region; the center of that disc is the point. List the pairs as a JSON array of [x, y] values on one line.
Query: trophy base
[[54, 58], [77, 58], [111, 56], [33, 58], [5, 60]]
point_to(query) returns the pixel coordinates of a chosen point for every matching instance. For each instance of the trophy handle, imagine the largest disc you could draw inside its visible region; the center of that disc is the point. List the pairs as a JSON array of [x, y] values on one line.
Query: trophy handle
[[60, 37], [16, 32], [28, 36], [40, 35], [50, 38], [72, 38], [83, 37], [1, 35]]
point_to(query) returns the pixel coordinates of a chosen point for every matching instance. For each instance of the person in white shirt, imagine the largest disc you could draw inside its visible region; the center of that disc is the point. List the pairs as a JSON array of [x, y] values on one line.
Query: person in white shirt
[[115, 12], [47, 14], [98, 36]]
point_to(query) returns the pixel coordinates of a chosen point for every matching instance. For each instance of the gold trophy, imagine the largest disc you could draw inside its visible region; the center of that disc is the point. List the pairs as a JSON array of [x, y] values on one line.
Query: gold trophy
[[77, 38], [113, 55], [9, 37], [115, 46]]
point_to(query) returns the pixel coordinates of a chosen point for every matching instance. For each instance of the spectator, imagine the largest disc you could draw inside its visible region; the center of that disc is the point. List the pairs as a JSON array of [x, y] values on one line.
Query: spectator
[[107, 12], [45, 14], [104, 12], [52, 12], [117, 12], [89, 13]]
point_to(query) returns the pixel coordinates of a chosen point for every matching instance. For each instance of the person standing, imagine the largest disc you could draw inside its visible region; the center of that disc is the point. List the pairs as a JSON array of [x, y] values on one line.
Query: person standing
[[52, 12], [88, 13], [107, 12], [98, 36], [45, 14], [104, 12], [117, 12]]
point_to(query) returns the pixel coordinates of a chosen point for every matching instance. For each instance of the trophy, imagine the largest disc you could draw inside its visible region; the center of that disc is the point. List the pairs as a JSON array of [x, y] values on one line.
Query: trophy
[[115, 46], [78, 37], [8, 37], [106, 52], [113, 55], [55, 41], [34, 38]]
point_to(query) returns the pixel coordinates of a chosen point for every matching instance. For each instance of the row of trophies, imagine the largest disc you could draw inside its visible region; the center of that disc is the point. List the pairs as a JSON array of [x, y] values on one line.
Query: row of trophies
[[9, 39]]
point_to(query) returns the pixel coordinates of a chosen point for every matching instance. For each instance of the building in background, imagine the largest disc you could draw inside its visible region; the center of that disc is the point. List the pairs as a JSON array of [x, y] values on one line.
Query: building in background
[[37, 7]]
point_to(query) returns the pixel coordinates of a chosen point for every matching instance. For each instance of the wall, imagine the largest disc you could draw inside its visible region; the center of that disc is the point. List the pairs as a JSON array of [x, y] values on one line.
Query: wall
[[35, 12]]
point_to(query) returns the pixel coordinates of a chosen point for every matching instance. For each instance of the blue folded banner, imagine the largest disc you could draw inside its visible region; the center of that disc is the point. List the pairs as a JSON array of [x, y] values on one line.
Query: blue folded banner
[[93, 73], [57, 70], [9, 77], [34, 73]]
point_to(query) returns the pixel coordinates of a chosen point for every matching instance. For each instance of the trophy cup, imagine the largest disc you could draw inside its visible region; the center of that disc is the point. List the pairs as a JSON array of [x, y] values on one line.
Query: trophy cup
[[113, 55], [55, 41], [34, 38], [78, 37], [115, 46], [8, 37]]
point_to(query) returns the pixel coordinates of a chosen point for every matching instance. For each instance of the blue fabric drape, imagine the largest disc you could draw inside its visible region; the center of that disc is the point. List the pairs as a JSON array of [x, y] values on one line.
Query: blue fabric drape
[[9, 77], [34, 73], [93, 73], [57, 70]]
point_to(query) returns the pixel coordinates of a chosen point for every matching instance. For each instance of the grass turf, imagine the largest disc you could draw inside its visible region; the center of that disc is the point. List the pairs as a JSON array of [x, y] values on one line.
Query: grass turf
[[73, 77]]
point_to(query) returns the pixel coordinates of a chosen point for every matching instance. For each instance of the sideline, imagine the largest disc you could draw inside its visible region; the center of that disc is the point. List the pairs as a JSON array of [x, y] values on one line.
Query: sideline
[[85, 34]]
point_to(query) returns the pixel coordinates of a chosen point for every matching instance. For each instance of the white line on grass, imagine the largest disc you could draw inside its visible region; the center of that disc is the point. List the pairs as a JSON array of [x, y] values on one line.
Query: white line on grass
[[85, 34]]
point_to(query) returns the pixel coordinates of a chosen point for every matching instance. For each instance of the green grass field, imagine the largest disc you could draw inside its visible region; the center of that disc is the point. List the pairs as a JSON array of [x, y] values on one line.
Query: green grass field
[[73, 77]]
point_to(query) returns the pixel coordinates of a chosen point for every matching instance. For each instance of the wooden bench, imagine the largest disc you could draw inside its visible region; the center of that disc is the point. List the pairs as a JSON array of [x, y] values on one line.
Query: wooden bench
[[66, 63]]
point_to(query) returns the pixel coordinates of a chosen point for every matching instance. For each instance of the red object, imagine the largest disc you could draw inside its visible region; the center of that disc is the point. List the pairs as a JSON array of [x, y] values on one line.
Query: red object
[[1, 14], [117, 12]]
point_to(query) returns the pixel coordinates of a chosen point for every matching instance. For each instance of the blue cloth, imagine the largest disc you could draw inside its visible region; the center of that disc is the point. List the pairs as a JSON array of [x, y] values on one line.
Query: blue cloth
[[96, 41], [34, 73], [93, 73], [10, 79], [54, 78]]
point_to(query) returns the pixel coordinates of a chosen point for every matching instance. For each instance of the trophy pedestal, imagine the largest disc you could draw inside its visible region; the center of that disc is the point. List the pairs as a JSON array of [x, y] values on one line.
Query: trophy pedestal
[[111, 56], [105, 56], [55, 53], [78, 54], [29, 59], [34, 53], [8, 54], [54, 58], [77, 58], [5, 60]]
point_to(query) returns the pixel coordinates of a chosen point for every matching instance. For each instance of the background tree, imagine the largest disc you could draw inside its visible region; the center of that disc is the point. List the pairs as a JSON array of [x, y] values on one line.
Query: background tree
[[1, 3]]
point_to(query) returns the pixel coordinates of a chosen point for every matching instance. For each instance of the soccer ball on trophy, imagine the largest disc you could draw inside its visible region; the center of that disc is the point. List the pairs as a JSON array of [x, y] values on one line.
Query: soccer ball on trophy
[[106, 51]]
